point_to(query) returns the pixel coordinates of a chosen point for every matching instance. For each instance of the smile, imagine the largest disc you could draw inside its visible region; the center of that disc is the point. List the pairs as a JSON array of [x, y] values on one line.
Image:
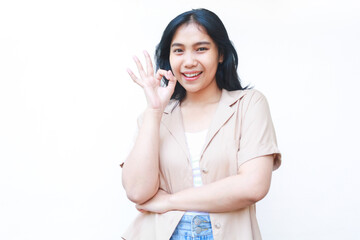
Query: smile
[[191, 75]]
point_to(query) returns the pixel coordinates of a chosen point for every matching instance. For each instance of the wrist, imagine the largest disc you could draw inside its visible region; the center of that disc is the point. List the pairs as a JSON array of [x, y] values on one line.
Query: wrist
[[153, 113], [171, 202]]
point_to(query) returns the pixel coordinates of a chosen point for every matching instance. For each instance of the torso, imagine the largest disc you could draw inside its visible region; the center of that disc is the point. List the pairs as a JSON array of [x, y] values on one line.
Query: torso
[[197, 118]]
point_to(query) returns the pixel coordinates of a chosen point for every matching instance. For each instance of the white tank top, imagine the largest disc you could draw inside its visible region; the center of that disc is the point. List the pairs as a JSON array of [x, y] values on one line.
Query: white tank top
[[195, 142]]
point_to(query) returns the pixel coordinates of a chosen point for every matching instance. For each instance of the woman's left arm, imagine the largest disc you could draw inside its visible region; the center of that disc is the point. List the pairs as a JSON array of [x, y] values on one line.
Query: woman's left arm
[[250, 185]]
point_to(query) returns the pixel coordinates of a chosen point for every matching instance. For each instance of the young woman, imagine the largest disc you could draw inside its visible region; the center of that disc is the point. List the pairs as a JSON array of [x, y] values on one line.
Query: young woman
[[206, 146]]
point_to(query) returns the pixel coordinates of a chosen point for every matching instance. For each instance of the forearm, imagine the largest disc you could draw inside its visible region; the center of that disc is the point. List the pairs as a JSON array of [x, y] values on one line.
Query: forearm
[[228, 194], [215, 197], [141, 169]]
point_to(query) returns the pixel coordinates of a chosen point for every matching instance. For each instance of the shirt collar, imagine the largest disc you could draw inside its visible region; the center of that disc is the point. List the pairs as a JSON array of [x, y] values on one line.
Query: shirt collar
[[228, 98]]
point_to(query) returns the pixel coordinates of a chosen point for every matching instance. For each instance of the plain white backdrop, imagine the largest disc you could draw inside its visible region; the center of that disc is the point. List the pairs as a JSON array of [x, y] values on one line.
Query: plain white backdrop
[[68, 111]]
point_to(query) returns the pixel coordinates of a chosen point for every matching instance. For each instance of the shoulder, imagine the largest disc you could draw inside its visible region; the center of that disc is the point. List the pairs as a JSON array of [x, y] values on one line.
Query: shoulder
[[253, 94], [254, 97], [246, 97]]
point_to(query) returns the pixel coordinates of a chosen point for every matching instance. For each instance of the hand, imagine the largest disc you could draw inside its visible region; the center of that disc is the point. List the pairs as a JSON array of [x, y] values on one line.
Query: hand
[[158, 204], [157, 96]]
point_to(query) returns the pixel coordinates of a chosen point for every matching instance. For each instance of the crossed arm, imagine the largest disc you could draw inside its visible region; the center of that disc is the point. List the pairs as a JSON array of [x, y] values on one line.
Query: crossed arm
[[250, 185]]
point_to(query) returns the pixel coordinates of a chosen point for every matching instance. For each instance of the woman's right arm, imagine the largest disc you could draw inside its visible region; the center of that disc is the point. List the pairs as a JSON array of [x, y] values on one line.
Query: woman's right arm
[[140, 176]]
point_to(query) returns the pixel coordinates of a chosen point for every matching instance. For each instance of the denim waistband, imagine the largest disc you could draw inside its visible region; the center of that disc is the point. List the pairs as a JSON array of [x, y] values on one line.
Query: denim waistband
[[193, 227]]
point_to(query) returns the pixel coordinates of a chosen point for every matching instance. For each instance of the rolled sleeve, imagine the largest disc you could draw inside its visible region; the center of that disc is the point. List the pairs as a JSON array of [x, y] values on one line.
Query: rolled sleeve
[[136, 133], [257, 133]]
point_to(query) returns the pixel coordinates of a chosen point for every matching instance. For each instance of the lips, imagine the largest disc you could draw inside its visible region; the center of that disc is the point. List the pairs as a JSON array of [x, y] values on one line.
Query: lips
[[191, 76]]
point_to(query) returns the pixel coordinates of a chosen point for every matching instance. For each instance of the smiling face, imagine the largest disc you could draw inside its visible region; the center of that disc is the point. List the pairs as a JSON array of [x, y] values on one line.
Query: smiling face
[[194, 58]]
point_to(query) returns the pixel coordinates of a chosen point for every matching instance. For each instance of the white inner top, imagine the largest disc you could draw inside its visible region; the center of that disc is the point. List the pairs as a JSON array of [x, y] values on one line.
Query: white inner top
[[195, 142]]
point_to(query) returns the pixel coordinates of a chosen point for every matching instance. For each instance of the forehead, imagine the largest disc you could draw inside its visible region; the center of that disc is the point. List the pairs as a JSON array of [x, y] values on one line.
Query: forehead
[[191, 33]]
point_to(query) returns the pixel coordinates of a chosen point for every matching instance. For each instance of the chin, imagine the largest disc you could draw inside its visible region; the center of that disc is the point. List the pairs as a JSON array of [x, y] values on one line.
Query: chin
[[192, 90], [189, 87]]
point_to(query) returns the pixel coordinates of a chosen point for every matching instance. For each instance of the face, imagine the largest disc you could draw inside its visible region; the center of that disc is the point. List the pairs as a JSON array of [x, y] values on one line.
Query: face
[[194, 58]]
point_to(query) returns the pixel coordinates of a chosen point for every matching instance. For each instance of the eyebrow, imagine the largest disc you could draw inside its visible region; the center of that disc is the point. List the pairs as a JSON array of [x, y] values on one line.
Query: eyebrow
[[198, 43]]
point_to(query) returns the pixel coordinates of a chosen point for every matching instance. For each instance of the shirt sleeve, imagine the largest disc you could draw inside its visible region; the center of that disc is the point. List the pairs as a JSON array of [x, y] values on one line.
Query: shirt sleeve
[[136, 132], [257, 133]]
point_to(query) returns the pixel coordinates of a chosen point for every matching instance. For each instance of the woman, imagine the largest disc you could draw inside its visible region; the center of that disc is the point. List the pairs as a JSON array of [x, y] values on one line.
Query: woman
[[206, 146]]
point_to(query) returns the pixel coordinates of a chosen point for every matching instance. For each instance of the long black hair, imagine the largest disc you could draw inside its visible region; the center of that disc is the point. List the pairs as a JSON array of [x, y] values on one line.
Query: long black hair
[[226, 74]]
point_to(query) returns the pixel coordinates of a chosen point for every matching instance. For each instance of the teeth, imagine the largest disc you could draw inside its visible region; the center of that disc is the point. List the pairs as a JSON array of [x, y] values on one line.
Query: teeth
[[191, 74]]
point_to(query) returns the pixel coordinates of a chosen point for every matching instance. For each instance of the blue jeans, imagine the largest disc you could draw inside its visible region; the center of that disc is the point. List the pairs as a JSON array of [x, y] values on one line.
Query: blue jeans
[[193, 227]]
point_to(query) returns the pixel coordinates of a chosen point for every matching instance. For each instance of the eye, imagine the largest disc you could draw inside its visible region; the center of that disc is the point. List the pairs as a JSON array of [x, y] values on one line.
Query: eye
[[177, 50], [202, 49]]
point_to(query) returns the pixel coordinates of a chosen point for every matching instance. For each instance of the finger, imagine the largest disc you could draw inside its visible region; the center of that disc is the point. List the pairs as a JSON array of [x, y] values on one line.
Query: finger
[[160, 74], [140, 210], [133, 77], [171, 78], [139, 67], [149, 65]]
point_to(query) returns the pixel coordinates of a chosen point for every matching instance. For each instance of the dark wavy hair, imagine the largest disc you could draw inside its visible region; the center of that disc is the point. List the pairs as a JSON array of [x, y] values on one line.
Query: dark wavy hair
[[226, 74]]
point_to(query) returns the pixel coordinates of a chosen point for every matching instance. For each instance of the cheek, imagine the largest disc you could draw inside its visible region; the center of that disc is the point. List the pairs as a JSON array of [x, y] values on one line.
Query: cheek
[[211, 67], [173, 59], [175, 67]]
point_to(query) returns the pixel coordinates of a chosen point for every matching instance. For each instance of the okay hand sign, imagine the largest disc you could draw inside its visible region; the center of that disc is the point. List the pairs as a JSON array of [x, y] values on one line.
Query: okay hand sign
[[157, 96]]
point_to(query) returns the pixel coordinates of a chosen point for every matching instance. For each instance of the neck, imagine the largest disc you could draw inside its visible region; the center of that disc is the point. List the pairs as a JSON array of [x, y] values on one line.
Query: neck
[[202, 98]]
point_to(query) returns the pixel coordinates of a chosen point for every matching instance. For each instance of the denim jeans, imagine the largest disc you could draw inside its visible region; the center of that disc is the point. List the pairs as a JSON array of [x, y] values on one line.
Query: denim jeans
[[193, 227]]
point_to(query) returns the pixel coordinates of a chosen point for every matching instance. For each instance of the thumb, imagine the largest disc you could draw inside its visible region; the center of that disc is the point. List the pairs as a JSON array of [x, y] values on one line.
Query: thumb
[[171, 78]]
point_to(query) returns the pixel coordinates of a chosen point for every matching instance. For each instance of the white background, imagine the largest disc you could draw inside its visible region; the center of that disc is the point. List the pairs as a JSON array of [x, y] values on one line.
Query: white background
[[68, 110]]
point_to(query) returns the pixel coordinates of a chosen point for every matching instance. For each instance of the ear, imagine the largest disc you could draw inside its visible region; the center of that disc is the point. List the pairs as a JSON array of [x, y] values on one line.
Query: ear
[[221, 58]]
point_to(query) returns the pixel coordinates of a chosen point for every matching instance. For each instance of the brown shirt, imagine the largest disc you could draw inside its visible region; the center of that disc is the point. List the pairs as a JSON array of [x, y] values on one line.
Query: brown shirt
[[241, 130]]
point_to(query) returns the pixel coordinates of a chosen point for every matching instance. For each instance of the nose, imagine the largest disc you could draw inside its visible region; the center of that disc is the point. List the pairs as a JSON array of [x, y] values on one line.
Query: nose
[[190, 60]]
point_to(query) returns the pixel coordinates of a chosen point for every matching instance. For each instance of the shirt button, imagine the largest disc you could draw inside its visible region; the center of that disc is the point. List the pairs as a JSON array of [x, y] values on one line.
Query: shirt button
[[205, 170], [217, 225], [198, 230], [197, 221]]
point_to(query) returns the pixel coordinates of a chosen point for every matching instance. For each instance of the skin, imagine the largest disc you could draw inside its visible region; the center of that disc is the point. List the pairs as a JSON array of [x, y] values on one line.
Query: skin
[[192, 52], [250, 185], [141, 184]]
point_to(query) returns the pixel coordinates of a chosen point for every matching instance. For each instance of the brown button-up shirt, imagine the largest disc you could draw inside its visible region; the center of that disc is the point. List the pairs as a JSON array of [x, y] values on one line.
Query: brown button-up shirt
[[241, 130]]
